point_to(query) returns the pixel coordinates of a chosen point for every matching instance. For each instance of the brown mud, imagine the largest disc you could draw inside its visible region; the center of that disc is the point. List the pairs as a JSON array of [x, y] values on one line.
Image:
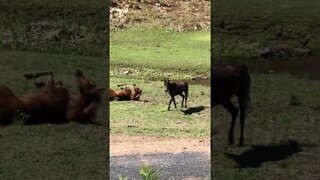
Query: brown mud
[[302, 67]]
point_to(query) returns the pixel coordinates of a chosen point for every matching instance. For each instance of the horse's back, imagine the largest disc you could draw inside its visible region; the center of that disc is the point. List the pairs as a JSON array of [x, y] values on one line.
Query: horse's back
[[226, 81]]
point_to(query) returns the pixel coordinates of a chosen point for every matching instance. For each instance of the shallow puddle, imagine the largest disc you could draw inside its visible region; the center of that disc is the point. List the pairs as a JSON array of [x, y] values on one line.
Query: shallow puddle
[[306, 67]]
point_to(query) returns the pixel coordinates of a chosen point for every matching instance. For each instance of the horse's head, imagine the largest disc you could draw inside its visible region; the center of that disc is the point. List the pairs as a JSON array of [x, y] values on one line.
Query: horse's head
[[88, 87], [136, 93], [166, 82]]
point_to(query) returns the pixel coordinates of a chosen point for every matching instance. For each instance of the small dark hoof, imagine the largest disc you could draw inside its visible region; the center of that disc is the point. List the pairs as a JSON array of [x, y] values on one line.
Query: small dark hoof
[[231, 141], [241, 142]]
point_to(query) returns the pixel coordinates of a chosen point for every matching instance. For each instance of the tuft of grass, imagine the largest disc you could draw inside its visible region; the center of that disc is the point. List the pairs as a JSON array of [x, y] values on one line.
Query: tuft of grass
[[147, 172], [122, 178]]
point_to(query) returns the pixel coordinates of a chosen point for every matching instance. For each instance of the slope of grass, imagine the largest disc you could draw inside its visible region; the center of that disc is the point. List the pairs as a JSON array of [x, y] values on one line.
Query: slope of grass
[[241, 28], [162, 49], [69, 27]]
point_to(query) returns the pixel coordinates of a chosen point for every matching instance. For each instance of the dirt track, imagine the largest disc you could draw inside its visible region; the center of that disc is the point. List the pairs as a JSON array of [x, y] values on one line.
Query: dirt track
[[175, 158], [141, 145]]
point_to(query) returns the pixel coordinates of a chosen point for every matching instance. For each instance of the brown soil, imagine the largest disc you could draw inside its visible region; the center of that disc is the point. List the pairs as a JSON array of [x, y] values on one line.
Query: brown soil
[[172, 14], [139, 145]]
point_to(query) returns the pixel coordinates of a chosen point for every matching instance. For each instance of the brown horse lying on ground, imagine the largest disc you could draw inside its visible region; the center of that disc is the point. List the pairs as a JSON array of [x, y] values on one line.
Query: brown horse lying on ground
[[9, 103], [226, 82], [47, 105], [177, 88], [126, 94], [52, 104], [83, 106]]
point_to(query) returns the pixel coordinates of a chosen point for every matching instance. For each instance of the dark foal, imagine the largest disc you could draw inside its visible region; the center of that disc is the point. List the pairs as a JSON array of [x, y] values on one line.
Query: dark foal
[[177, 88], [229, 81]]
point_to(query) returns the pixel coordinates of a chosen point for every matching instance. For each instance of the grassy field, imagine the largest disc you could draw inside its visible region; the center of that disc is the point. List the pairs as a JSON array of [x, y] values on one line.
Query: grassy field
[[151, 56], [152, 49], [152, 118], [159, 54], [242, 28], [68, 27], [284, 113], [283, 109], [52, 151]]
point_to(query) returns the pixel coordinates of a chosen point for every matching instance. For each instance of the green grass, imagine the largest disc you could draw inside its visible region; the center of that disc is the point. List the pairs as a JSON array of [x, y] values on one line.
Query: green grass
[[152, 118], [52, 151], [69, 151], [273, 119], [68, 27], [251, 25], [13, 64], [146, 56], [161, 50]]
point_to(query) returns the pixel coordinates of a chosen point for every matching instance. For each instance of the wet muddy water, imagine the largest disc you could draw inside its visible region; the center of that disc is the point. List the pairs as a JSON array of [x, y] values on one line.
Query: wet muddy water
[[303, 67]]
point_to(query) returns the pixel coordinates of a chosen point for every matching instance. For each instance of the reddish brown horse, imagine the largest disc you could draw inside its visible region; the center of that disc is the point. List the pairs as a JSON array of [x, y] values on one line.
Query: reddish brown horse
[[126, 94], [52, 104], [226, 82], [83, 106], [177, 88], [46, 105]]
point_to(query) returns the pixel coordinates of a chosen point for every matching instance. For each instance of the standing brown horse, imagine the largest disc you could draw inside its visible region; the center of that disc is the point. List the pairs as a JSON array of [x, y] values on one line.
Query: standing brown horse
[[177, 88], [229, 81]]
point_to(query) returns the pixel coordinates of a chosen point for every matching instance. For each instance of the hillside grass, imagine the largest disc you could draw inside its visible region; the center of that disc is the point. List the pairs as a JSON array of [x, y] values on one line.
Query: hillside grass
[[241, 28]]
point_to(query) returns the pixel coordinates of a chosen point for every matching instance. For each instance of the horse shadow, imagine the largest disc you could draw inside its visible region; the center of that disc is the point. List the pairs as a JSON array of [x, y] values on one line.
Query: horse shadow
[[260, 154], [192, 110]]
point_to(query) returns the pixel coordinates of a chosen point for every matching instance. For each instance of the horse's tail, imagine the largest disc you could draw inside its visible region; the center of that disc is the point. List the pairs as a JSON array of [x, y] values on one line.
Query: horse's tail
[[246, 81]]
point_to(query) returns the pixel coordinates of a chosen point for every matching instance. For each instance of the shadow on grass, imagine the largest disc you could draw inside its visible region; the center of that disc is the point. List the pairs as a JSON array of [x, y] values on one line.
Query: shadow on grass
[[260, 154], [192, 110]]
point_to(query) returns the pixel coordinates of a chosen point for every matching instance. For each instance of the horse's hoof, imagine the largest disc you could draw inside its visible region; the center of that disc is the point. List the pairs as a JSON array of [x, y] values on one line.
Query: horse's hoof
[[241, 143], [231, 141]]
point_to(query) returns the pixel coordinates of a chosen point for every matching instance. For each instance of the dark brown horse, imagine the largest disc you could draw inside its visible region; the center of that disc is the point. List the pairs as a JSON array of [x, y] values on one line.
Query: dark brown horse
[[177, 88], [229, 81]]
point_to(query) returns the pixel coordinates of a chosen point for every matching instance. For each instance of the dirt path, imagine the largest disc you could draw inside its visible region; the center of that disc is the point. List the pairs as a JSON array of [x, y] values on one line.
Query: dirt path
[[141, 145]]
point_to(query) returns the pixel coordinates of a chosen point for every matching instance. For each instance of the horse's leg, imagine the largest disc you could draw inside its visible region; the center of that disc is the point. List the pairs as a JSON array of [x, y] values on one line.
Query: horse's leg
[[182, 99], [174, 101], [234, 113], [50, 81], [186, 95], [242, 107], [169, 104]]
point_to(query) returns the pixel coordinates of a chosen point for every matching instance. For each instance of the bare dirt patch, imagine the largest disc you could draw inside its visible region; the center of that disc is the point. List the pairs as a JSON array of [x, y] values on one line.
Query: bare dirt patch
[[139, 145], [177, 15]]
